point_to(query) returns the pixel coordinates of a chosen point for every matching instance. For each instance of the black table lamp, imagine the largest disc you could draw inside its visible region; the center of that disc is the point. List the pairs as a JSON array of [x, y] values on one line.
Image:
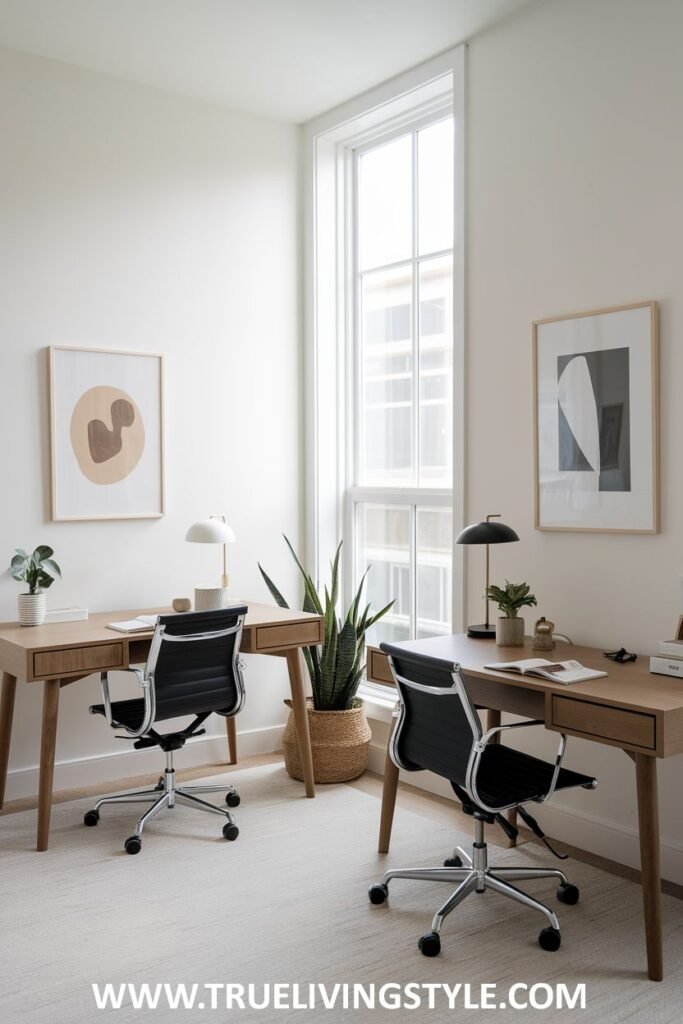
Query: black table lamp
[[486, 533]]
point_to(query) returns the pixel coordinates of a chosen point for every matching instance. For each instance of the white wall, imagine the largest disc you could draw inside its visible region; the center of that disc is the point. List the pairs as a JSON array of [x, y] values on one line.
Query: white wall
[[137, 219], [575, 201]]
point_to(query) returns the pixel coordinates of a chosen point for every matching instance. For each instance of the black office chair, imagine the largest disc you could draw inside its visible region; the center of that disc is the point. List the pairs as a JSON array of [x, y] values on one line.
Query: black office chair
[[438, 729], [193, 668]]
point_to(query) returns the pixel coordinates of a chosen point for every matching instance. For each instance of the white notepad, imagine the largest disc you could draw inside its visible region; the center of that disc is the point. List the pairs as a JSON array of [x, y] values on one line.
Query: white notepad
[[142, 624]]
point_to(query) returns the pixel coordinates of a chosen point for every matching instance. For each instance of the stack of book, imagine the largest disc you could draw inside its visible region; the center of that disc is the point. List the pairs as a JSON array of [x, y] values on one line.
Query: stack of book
[[668, 661]]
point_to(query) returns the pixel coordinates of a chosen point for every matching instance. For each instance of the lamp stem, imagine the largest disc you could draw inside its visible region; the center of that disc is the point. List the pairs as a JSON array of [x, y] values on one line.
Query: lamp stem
[[492, 515], [487, 587], [224, 577]]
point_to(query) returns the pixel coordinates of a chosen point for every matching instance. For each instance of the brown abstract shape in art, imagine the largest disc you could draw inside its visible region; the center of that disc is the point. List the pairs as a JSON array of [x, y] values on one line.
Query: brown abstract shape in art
[[107, 434], [104, 443]]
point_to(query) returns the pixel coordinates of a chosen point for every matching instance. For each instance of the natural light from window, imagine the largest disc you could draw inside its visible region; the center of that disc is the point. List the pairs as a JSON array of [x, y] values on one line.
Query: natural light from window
[[402, 434]]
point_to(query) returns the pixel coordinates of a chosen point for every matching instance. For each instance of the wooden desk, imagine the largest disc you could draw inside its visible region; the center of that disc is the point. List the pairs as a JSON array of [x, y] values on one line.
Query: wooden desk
[[62, 653], [640, 713]]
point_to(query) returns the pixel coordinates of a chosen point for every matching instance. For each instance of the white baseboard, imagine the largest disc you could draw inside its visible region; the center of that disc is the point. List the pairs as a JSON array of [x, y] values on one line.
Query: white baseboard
[[125, 763], [604, 838]]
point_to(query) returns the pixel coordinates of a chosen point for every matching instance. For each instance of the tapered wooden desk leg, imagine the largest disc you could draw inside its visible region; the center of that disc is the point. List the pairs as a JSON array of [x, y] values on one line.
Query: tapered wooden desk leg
[[9, 688], [47, 759], [650, 878], [296, 682], [492, 722], [231, 730], [389, 790]]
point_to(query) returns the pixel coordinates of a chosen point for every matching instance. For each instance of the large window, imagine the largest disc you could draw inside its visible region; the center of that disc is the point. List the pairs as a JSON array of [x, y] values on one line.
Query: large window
[[400, 338], [384, 354]]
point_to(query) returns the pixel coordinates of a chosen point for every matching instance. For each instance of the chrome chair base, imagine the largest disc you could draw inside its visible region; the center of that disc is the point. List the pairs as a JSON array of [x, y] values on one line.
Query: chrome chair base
[[165, 794], [473, 874]]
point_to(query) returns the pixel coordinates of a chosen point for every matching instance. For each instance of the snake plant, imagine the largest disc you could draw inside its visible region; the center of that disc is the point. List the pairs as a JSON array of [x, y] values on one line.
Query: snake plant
[[336, 666]]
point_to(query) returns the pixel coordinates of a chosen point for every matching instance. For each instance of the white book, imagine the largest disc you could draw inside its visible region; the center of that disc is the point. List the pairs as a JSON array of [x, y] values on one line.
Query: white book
[[670, 648], [666, 666], [71, 614], [143, 624], [564, 672]]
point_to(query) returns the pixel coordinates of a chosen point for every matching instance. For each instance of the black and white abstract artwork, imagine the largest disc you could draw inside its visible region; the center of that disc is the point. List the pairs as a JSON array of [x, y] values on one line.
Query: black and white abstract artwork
[[597, 421]]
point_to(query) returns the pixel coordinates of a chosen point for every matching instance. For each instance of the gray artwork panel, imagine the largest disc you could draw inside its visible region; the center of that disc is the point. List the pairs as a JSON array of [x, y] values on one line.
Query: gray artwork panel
[[609, 375]]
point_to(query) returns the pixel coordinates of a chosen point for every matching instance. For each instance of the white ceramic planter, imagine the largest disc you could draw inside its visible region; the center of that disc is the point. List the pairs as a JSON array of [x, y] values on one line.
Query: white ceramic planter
[[510, 632], [32, 609], [208, 598]]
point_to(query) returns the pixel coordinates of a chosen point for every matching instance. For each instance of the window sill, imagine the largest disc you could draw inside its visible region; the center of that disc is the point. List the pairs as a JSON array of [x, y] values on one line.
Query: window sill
[[379, 706]]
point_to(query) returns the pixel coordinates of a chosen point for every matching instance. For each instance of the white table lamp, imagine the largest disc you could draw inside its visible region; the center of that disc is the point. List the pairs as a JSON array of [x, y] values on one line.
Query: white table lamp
[[214, 530]]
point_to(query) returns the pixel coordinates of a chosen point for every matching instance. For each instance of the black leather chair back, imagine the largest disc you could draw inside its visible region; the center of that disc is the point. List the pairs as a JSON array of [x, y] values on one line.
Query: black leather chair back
[[438, 724], [194, 661]]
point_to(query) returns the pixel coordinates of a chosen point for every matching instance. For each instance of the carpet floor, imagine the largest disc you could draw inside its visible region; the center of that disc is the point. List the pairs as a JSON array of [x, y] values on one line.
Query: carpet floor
[[287, 903]]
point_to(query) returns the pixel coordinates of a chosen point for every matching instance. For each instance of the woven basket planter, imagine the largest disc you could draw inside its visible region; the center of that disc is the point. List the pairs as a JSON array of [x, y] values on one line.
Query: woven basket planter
[[340, 741]]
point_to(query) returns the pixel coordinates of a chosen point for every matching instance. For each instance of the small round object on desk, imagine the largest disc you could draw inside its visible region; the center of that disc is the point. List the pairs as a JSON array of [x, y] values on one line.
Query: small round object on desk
[[181, 604]]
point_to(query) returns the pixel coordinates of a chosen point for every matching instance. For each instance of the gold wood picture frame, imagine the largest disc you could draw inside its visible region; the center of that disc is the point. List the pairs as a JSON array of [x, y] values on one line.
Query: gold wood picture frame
[[106, 433], [596, 420]]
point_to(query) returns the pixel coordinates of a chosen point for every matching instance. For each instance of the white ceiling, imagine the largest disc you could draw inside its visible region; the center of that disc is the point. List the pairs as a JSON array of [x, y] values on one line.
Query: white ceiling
[[286, 59]]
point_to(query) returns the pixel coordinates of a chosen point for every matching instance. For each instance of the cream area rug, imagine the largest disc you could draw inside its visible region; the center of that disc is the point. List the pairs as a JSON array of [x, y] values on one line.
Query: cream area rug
[[286, 904]]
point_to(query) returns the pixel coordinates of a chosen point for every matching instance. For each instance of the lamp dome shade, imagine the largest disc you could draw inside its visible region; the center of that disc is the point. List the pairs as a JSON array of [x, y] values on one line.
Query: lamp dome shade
[[486, 533], [211, 531]]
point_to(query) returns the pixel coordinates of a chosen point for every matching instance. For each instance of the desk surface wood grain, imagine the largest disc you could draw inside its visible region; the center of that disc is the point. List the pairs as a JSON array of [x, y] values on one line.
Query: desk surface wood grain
[[629, 687], [23, 648]]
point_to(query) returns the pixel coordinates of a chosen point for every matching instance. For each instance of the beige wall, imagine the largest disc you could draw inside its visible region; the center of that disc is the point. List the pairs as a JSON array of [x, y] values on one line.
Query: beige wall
[[137, 219], [575, 201]]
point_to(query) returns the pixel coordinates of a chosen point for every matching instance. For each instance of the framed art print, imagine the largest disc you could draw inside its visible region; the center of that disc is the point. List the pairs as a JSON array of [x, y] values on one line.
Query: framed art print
[[596, 420], [106, 434]]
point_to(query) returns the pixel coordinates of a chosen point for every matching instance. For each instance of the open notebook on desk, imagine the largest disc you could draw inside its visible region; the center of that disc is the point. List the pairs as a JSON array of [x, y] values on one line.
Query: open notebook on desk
[[564, 672]]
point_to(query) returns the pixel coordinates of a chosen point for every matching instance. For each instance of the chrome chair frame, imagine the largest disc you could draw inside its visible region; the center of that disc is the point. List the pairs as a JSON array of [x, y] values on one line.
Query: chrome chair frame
[[475, 874], [166, 791]]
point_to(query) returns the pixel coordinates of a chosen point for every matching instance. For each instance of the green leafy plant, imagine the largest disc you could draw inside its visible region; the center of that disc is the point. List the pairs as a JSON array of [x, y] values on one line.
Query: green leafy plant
[[512, 598], [38, 570], [335, 667]]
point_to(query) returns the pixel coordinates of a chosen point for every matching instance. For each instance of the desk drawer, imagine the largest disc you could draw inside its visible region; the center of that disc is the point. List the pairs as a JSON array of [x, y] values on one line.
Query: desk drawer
[[378, 668], [288, 635], [632, 728], [77, 659]]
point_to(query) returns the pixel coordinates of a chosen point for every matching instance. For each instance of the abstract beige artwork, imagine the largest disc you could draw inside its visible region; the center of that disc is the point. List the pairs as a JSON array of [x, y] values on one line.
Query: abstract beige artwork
[[107, 441]]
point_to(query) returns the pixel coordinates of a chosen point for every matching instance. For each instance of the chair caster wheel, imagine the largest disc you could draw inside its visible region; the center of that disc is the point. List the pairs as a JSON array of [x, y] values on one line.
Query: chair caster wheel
[[568, 893], [429, 944], [453, 862], [378, 893], [133, 844], [91, 818], [230, 831], [549, 939], [233, 799]]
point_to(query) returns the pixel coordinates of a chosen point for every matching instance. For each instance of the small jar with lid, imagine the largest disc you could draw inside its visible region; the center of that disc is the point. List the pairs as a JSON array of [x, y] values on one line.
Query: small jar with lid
[[543, 635]]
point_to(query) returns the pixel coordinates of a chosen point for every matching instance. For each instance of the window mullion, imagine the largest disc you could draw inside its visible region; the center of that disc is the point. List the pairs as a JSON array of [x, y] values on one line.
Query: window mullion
[[415, 322], [413, 570]]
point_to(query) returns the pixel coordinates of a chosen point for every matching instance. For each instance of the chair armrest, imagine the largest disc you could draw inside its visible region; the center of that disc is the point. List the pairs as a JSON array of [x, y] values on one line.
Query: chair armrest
[[488, 736], [481, 745], [558, 764], [106, 698]]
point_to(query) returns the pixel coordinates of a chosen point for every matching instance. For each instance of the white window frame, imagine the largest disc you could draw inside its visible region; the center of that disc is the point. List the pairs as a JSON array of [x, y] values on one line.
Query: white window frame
[[329, 142]]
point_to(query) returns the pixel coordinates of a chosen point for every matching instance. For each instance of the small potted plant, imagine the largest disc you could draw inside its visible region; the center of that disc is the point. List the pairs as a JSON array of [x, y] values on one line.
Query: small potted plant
[[39, 571], [340, 734], [510, 626]]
